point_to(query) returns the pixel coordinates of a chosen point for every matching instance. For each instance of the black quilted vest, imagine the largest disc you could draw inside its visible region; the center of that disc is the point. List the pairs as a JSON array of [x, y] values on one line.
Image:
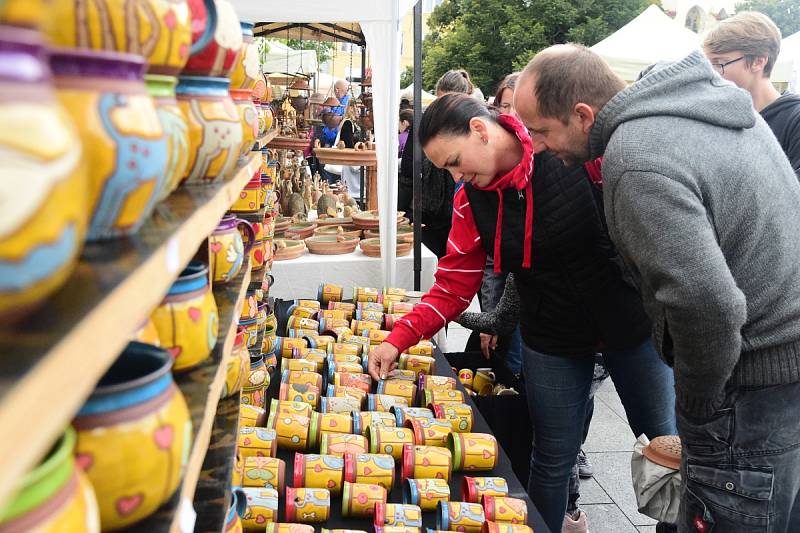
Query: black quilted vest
[[575, 299]]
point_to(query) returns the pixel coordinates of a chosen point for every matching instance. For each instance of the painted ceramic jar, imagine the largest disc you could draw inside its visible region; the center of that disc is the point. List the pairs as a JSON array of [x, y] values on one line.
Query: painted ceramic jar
[[269, 116], [459, 516], [372, 468], [328, 423], [44, 185], [125, 146], [159, 30], [404, 414], [256, 442], [505, 509], [398, 387], [340, 348], [504, 527], [247, 201], [342, 443], [215, 133], [187, 319], [274, 527], [426, 462], [319, 471], [53, 497], [217, 56], [473, 451], [359, 499], [248, 65], [228, 249], [236, 511], [173, 122], [473, 489], [459, 415], [250, 331], [353, 379], [339, 405], [303, 365], [250, 306], [263, 472], [369, 306], [299, 392], [430, 432], [434, 397], [389, 440], [329, 293], [147, 333], [308, 505], [248, 117], [262, 508], [236, 366], [292, 429], [335, 368], [366, 295], [134, 436], [397, 515], [251, 416], [422, 348], [384, 402], [364, 419], [428, 381], [285, 345], [254, 390], [426, 493], [347, 392], [289, 408], [420, 364]]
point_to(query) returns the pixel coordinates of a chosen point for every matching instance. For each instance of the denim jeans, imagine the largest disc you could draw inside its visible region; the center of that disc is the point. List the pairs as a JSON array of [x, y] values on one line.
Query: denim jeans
[[741, 467], [557, 389]]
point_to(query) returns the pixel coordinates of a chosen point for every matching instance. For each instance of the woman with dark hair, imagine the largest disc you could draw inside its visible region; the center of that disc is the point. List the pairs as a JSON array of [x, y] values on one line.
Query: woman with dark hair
[[539, 220], [504, 96]]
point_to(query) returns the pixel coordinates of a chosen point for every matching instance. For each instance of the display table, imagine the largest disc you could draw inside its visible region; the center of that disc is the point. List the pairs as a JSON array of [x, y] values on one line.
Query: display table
[[299, 278]]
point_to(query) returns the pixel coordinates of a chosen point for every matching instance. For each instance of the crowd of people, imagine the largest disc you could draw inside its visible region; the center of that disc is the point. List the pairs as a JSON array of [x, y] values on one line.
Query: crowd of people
[[649, 227]]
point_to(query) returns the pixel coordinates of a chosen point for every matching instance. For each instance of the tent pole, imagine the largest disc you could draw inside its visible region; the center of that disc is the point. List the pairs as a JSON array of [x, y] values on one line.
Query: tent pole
[[417, 165]]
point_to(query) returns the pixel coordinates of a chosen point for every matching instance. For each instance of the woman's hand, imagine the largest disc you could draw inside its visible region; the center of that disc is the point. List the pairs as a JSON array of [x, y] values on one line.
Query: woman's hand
[[382, 360], [488, 345]]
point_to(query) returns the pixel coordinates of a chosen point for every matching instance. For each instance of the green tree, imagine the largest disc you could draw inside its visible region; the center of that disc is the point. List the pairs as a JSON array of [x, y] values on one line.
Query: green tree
[[491, 38], [785, 13], [324, 49], [407, 77]]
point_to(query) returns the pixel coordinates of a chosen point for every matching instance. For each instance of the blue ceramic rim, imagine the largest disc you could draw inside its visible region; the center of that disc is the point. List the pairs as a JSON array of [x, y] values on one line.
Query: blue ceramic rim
[[370, 402], [192, 278], [331, 373], [247, 28], [323, 404], [365, 364], [442, 517], [398, 414], [203, 86], [410, 493], [380, 387], [356, 423], [331, 391]]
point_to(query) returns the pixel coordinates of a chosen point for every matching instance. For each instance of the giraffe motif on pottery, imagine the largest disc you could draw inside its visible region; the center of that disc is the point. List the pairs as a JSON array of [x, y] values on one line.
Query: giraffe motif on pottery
[[176, 130], [220, 142], [139, 164], [134, 27]]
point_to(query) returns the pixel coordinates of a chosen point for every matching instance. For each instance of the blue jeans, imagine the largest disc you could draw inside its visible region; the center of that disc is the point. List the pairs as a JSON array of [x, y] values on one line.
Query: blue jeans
[[557, 388], [741, 467]]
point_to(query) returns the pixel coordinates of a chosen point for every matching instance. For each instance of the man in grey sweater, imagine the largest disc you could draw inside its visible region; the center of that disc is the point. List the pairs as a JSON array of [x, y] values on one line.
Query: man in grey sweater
[[704, 207]]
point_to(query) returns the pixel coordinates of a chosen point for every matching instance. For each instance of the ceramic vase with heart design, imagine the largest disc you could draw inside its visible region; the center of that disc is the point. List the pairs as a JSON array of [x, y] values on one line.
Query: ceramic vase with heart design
[[54, 497], [236, 512], [216, 56], [248, 117], [173, 122], [43, 183], [228, 249], [247, 70], [134, 436], [319, 471], [187, 319], [236, 366]]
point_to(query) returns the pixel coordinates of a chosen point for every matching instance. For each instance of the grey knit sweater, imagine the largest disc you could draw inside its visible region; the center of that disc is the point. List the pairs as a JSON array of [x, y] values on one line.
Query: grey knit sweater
[[705, 209], [500, 321]]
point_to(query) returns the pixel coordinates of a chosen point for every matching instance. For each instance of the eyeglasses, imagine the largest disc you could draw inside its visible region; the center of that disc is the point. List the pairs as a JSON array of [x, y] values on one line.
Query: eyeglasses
[[720, 67]]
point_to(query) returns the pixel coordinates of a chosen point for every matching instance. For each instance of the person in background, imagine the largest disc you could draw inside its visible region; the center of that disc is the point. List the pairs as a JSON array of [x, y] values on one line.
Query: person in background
[[340, 92], [406, 121], [454, 81], [539, 220], [702, 205], [743, 49]]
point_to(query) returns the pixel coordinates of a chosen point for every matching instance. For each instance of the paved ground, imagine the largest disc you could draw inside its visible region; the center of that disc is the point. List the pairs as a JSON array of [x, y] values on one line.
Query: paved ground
[[608, 497]]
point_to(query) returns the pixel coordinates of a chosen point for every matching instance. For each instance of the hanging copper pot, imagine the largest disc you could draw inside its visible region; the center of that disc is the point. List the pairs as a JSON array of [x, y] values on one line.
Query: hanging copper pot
[[331, 101], [299, 103], [300, 84]]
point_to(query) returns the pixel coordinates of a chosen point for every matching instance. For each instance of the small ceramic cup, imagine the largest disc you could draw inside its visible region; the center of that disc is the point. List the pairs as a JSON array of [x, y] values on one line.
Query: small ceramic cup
[[430, 432], [433, 397], [339, 348], [364, 419], [359, 499], [431, 382], [459, 415], [420, 364], [296, 392], [262, 472], [426, 462], [373, 468], [335, 391], [389, 440], [285, 345], [344, 368], [398, 387], [256, 442], [251, 416], [397, 515], [341, 443], [473, 489], [289, 408], [473, 451], [304, 365], [483, 382], [422, 348], [319, 471], [460, 516], [466, 376], [366, 295], [352, 379], [307, 505], [403, 414], [505, 509], [262, 507], [384, 402], [328, 423], [292, 430], [426, 493], [329, 293], [276, 527], [339, 405]]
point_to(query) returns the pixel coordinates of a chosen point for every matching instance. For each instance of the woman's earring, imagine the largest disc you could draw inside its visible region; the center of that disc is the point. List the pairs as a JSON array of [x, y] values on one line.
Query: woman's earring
[[486, 140]]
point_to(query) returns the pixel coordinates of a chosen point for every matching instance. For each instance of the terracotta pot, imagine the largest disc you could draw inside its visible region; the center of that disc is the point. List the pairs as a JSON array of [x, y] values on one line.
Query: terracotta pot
[[215, 132], [346, 231], [187, 319], [134, 432], [55, 496], [216, 56], [288, 249], [301, 230], [248, 64], [43, 184], [173, 122], [125, 146], [331, 244], [228, 248], [248, 116], [372, 247]]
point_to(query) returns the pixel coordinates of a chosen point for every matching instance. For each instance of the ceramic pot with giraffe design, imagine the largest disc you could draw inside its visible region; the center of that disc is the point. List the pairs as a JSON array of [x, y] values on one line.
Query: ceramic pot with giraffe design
[[216, 56]]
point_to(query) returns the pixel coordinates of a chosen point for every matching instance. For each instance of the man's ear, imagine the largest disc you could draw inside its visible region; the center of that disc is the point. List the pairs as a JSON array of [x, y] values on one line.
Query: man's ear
[[758, 64], [586, 115]]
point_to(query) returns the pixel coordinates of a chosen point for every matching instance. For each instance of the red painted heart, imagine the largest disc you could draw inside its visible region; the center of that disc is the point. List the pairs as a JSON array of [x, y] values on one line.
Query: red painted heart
[[84, 460], [431, 433], [246, 441], [128, 504], [261, 519], [195, 314], [331, 484], [317, 468], [175, 351], [258, 255], [333, 423], [252, 205], [216, 247], [367, 470], [487, 454], [163, 437], [426, 461], [242, 195]]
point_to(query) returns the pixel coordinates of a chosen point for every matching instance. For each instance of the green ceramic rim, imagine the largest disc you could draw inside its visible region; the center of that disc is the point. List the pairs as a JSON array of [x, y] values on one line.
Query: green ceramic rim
[[346, 499], [454, 440], [159, 85], [45, 480]]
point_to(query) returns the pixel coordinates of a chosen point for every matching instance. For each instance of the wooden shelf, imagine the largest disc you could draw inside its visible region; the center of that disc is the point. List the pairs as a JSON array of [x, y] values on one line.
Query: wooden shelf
[[53, 359], [202, 387], [262, 141]]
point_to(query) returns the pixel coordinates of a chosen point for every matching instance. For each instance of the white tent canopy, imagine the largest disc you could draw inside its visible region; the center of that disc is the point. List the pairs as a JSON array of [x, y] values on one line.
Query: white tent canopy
[[787, 67], [650, 37], [276, 60], [380, 23], [408, 92]]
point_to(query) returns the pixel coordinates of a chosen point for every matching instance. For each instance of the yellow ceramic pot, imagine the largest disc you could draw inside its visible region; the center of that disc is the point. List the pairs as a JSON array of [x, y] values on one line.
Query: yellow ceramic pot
[[459, 516], [43, 184], [426, 493], [254, 389], [264, 472], [248, 64], [159, 30], [147, 333], [134, 436], [364, 419], [342, 443], [318, 471], [269, 116], [126, 149], [397, 515], [473, 451], [473, 489], [237, 510], [359, 499], [256, 442], [187, 319], [55, 497], [292, 428], [24, 13], [505, 509], [430, 432], [426, 462], [307, 505], [173, 122], [248, 117], [215, 133], [236, 367], [389, 440], [459, 415], [369, 468], [228, 249], [262, 507]]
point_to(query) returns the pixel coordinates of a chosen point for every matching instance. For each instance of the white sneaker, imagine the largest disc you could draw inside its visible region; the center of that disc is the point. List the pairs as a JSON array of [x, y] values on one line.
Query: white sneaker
[[575, 523]]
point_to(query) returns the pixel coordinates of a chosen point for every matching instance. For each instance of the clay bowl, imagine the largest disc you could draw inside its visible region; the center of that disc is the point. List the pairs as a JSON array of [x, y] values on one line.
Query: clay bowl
[[334, 221], [372, 248], [300, 230], [370, 219], [331, 244], [288, 249], [287, 143], [347, 231], [282, 224], [404, 233], [346, 156], [665, 451]]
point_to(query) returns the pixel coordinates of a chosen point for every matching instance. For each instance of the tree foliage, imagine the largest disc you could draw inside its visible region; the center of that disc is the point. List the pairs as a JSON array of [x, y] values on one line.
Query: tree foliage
[[324, 49], [491, 38], [785, 13]]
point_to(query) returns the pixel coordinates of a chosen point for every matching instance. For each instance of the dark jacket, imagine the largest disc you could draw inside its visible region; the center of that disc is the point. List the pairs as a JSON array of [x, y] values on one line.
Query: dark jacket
[[783, 117], [574, 298]]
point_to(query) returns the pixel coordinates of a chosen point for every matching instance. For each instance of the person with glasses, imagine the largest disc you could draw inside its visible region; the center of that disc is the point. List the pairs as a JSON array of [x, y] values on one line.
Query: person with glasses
[[743, 50]]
